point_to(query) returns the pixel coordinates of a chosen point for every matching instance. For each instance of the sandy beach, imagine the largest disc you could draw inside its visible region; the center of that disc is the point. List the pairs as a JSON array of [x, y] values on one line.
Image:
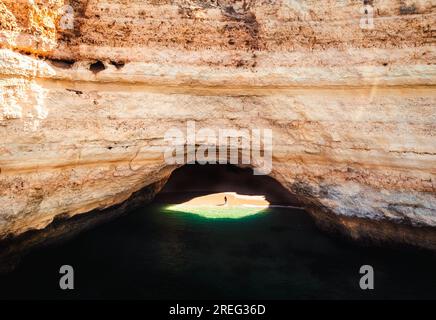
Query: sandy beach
[[233, 200]]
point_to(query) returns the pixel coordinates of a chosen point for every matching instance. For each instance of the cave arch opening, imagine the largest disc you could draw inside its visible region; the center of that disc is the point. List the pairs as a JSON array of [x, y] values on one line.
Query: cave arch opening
[[223, 191], [184, 184]]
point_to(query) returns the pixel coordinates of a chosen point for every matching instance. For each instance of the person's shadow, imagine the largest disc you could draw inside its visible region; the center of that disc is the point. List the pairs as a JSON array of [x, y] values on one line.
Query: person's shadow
[[224, 204]]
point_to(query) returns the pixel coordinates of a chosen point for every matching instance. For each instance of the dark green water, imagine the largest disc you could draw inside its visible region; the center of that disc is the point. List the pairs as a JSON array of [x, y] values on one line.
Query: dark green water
[[150, 254]]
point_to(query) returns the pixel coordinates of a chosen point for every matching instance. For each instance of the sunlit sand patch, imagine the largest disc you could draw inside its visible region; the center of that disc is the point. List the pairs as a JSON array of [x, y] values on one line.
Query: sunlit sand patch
[[224, 205]]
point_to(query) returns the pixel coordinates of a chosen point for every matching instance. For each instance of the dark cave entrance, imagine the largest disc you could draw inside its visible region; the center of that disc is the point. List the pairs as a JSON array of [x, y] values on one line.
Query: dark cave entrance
[[152, 254], [193, 180], [184, 184]]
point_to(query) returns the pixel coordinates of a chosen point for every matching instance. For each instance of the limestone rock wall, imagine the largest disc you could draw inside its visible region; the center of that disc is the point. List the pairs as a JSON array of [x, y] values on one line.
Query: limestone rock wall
[[84, 107]]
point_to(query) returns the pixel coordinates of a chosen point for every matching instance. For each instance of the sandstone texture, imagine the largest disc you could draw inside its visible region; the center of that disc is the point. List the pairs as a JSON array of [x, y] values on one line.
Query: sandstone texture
[[84, 106]]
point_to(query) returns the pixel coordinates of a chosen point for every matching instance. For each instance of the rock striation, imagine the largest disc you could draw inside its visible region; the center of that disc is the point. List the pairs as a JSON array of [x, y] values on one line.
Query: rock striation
[[88, 89]]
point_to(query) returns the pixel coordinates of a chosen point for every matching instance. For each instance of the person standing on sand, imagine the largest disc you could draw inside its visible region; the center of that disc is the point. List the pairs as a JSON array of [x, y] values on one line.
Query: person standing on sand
[[225, 200]]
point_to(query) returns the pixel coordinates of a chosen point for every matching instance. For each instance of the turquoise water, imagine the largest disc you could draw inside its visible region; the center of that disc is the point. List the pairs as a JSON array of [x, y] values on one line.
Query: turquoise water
[[153, 254]]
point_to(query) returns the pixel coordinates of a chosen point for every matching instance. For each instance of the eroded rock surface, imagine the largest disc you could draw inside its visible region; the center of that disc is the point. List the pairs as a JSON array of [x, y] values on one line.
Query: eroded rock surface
[[84, 107]]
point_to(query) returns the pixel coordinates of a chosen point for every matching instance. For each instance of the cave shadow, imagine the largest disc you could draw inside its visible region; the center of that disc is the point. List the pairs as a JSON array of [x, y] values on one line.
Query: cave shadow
[[184, 184], [191, 181]]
